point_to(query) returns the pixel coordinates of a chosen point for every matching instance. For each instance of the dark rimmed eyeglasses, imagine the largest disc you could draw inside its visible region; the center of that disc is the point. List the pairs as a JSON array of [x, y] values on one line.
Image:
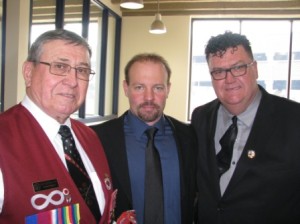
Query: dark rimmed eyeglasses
[[235, 71], [61, 69]]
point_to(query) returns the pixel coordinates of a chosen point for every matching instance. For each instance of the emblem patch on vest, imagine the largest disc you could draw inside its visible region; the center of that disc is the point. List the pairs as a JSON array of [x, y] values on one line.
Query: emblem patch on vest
[[56, 197]]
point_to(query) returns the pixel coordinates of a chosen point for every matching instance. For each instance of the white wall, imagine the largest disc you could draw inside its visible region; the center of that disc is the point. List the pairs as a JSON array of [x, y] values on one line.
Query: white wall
[[173, 46], [17, 29]]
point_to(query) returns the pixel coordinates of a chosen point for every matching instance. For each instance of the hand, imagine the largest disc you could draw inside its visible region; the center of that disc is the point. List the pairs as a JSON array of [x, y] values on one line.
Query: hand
[[127, 217]]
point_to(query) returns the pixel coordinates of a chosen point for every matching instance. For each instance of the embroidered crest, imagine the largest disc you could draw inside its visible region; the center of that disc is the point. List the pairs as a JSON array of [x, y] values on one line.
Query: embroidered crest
[[56, 197]]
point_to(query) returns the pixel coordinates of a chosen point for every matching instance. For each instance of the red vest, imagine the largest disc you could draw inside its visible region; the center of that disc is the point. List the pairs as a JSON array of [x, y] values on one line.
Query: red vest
[[35, 179]]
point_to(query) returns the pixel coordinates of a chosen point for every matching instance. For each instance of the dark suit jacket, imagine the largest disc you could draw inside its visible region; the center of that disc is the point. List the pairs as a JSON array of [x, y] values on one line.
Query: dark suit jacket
[[112, 137], [264, 189]]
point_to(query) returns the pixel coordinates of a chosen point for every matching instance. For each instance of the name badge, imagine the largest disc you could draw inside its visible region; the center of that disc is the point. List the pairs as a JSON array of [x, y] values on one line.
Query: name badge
[[45, 185]]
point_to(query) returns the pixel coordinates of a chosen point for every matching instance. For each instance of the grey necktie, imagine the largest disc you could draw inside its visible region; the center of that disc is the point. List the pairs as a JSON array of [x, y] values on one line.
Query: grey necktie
[[154, 204]]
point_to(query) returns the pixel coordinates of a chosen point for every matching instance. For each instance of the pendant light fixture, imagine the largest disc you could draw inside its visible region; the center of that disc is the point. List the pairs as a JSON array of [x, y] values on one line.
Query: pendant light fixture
[[158, 27], [132, 4]]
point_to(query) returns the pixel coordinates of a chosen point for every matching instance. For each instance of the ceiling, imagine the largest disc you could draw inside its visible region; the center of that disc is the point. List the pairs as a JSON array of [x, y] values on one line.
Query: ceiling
[[44, 10], [284, 8]]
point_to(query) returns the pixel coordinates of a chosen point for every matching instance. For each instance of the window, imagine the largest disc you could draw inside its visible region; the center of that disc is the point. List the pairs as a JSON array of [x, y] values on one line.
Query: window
[[101, 27], [278, 67]]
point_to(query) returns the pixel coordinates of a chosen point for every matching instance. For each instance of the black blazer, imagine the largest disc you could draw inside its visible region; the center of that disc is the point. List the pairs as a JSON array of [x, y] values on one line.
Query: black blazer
[[264, 189], [111, 134]]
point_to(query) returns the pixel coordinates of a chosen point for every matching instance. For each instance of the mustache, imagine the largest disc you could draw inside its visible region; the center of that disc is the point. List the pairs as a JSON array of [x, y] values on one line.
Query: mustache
[[149, 104]]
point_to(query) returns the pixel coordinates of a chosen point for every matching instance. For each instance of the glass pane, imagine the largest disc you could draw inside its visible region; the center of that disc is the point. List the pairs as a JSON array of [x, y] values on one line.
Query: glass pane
[[43, 17], [271, 50], [110, 65], [73, 16], [201, 90], [73, 13], [94, 39], [295, 69]]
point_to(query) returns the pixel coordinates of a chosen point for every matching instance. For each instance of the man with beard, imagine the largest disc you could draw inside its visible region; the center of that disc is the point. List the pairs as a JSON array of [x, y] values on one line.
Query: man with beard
[[147, 85]]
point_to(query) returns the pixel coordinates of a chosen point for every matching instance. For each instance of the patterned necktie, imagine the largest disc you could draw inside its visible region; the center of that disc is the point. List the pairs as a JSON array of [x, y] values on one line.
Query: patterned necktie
[[154, 205], [227, 142], [78, 171]]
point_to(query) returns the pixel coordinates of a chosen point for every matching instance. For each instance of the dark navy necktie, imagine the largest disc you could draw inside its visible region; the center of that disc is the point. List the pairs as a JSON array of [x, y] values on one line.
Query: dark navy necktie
[[78, 171], [227, 143], [154, 205]]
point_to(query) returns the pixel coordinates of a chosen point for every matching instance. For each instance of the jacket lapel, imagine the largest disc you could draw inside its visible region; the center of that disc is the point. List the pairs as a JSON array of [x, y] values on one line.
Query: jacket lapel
[[257, 140], [211, 150], [119, 156]]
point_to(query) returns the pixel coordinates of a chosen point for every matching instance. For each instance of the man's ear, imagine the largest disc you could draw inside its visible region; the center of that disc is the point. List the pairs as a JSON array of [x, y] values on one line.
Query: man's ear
[[125, 87], [27, 72], [168, 89]]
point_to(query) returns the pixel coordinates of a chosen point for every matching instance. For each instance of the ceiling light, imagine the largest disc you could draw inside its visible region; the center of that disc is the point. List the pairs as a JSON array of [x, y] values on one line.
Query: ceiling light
[[132, 4], [158, 27]]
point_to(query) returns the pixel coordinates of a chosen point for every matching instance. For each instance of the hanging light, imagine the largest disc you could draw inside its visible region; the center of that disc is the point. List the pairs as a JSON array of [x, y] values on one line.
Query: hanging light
[[132, 4], [158, 27]]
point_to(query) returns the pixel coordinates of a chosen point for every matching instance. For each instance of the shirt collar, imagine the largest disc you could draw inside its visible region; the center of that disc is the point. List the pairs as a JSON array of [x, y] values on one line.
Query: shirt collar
[[247, 117], [48, 124], [139, 127]]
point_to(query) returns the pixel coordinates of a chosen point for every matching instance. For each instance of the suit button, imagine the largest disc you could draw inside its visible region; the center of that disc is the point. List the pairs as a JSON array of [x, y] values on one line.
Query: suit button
[[220, 209]]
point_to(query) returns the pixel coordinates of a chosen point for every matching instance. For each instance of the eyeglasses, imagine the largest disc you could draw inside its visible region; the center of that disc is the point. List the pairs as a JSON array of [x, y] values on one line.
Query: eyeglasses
[[235, 71], [61, 69]]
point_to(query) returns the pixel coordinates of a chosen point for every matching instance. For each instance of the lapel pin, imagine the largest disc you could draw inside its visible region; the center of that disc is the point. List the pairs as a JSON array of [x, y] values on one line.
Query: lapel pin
[[251, 154], [107, 182]]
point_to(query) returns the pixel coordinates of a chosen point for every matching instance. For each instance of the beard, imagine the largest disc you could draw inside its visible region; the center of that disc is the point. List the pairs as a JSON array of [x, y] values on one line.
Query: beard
[[149, 115]]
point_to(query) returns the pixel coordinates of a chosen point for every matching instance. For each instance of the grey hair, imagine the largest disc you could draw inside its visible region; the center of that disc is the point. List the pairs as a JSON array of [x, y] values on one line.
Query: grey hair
[[36, 48]]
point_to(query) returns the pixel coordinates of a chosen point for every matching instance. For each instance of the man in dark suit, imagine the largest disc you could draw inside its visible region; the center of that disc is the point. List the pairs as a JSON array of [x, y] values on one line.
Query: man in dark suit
[[261, 184], [147, 85]]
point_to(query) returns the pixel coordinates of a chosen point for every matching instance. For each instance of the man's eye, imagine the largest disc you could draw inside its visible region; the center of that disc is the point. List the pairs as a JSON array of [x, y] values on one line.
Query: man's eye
[[60, 66], [159, 88], [239, 67], [217, 72], [138, 88], [82, 70]]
